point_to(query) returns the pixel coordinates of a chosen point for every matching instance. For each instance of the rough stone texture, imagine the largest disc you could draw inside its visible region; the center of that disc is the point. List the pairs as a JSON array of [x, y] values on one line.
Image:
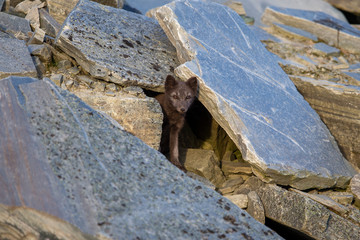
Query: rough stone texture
[[141, 116], [229, 167], [60, 9], [295, 33], [29, 224], [15, 59], [42, 51], [204, 163], [348, 6], [27, 5], [355, 188], [48, 23], [303, 214], [14, 24], [327, 28], [255, 207], [118, 46], [250, 96], [325, 49], [327, 202], [339, 107], [256, 8], [240, 200], [231, 185], [82, 168]]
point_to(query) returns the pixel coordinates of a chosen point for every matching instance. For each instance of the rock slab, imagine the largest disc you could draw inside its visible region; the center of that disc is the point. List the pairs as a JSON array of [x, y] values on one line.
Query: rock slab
[[118, 46], [82, 168], [339, 107], [15, 59], [251, 97], [327, 28]]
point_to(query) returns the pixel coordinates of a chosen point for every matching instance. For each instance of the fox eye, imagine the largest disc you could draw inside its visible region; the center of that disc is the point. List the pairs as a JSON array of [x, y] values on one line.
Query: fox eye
[[188, 97], [175, 97]]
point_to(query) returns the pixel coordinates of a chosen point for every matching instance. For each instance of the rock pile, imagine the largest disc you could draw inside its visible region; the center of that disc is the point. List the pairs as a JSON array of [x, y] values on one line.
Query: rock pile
[[250, 129]]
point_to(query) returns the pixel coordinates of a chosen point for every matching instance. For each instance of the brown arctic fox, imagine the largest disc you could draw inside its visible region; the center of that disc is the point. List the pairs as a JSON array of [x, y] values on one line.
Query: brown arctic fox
[[175, 102]]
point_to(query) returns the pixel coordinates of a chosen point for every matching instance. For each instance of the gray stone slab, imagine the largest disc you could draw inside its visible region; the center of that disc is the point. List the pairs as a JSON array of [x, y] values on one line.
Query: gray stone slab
[[326, 49], [15, 58], [14, 24], [256, 8], [355, 77], [118, 46], [327, 28], [296, 32], [251, 97], [105, 180]]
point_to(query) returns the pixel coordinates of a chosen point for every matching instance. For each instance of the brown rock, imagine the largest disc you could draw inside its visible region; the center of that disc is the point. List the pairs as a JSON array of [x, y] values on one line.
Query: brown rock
[[255, 207], [348, 6], [141, 116], [355, 188], [240, 200], [339, 108]]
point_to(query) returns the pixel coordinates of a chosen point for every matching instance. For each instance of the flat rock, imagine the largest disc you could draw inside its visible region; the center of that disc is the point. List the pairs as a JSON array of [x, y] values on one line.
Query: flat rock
[[118, 46], [250, 96], [15, 59], [339, 108], [327, 28], [294, 32], [14, 24], [125, 109], [305, 215], [67, 160], [325, 49], [256, 8], [29, 224], [60, 9]]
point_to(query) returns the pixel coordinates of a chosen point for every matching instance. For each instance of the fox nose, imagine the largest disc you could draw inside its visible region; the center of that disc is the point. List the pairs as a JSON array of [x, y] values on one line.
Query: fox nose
[[182, 109]]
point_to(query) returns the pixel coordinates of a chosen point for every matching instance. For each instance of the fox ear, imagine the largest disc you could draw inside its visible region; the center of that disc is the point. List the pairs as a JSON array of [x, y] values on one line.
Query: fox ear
[[170, 82], [192, 83]]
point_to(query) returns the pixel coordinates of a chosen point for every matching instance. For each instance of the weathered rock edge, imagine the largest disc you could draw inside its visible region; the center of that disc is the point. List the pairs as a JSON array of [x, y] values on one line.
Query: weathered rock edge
[[285, 168], [103, 177], [118, 46]]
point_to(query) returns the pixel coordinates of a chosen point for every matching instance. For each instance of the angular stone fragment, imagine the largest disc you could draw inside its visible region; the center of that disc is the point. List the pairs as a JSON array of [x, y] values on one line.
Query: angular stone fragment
[[68, 160], [240, 200], [204, 163], [348, 6], [14, 24], [140, 116], [118, 46], [250, 96], [303, 214], [339, 108], [60, 9], [325, 27], [27, 5], [42, 51], [255, 207], [48, 23], [229, 167], [15, 59], [231, 185], [1, 4], [37, 37], [296, 33]]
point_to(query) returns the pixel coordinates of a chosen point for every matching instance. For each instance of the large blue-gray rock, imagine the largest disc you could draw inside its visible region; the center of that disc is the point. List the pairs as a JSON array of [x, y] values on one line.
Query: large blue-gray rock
[[327, 28], [14, 24], [15, 58], [251, 97], [59, 156], [118, 46]]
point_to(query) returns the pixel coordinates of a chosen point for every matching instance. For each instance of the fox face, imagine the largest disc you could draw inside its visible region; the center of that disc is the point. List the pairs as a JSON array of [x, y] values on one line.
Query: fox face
[[180, 94]]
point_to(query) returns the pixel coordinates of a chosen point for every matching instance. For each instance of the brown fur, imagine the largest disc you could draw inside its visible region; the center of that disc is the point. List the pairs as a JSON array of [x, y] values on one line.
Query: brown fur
[[175, 102]]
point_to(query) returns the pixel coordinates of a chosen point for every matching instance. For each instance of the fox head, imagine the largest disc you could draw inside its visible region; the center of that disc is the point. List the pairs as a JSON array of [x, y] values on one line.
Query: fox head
[[180, 94]]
